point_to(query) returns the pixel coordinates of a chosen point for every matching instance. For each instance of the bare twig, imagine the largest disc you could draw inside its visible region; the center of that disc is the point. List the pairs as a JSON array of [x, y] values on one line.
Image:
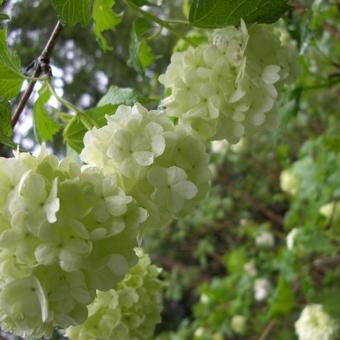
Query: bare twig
[[266, 211], [327, 262], [267, 330], [41, 67]]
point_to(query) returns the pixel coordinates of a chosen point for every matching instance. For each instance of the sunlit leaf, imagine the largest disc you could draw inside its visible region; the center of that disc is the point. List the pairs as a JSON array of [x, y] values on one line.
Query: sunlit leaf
[[220, 13], [104, 19], [72, 12], [6, 131], [11, 78], [45, 127], [140, 52]]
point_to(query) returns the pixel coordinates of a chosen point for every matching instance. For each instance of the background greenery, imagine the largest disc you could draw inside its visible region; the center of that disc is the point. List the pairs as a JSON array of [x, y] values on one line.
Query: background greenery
[[206, 256]]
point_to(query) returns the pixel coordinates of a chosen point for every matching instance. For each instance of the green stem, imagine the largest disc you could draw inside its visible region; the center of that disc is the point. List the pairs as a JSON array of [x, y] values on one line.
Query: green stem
[[156, 34], [42, 78], [86, 120], [177, 21], [63, 101], [320, 86], [163, 23]]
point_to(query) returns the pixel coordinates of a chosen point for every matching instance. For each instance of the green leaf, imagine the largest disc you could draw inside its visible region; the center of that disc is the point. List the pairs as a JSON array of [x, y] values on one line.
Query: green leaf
[[140, 52], [6, 131], [72, 12], [45, 127], [220, 13], [330, 299], [235, 260], [104, 19], [283, 299], [120, 95], [75, 130], [11, 78], [4, 16]]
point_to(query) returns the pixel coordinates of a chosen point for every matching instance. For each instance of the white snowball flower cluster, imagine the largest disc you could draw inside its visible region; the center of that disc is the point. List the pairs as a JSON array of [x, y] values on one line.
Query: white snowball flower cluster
[[331, 211], [265, 239], [130, 311], [262, 289], [315, 324], [64, 233], [238, 324], [131, 141], [163, 166], [250, 268], [291, 238], [228, 87], [289, 182]]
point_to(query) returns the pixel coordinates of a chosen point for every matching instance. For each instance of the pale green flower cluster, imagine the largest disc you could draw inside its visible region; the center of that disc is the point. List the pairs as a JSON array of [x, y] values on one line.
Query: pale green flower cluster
[[64, 234], [163, 166], [331, 211], [130, 311], [228, 87], [315, 324], [67, 232], [289, 182]]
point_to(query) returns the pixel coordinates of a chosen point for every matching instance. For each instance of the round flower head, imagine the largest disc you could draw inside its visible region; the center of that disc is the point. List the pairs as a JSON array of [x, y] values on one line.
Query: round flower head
[[132, 139], [262, 289], [228, 87], [65, 233], [289, 182], [163, 167], [331, 211], [238, 324], [130, 311], [265, 239], [315, 324]]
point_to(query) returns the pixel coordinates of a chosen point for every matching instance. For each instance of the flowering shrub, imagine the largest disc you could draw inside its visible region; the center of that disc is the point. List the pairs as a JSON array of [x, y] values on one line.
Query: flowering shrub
[[140, 168]]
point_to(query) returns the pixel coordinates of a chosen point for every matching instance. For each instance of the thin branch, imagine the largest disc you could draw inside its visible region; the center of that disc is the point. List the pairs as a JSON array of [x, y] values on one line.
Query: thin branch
[[267, 330], [163, 23], [266, 211], [323, 262], [42, 66]]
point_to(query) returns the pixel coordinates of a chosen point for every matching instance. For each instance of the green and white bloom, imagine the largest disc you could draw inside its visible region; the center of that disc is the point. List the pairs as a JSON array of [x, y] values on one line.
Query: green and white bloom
[[132, 139], [65, 233], [130, 311], [166, 166], [228, 87], [315, 324]]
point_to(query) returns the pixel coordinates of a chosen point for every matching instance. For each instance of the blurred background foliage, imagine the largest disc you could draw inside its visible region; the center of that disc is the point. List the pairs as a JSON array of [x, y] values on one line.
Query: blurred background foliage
[[232, 271]]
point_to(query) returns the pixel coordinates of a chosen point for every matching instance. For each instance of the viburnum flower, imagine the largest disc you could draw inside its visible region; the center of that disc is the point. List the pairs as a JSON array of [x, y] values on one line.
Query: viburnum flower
[[172, 175], [262, 289], [171, 187], [315, 324], [66, 232], [289, 182], [131, 141], [291, 238], [331, 211], [238, 324], [228, 87], [130, 311], [265, 239]]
